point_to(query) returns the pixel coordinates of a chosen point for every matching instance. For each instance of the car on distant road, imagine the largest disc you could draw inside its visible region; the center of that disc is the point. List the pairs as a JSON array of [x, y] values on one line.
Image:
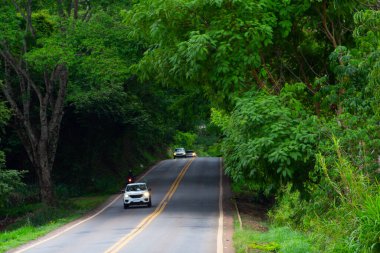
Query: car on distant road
[[191, 153], [137, 194], [179, 152]]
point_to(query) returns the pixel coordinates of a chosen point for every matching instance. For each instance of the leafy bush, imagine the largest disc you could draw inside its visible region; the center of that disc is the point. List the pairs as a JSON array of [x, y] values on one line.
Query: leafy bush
[[288, 209], [10, 180], [269, 140], [184, 139]]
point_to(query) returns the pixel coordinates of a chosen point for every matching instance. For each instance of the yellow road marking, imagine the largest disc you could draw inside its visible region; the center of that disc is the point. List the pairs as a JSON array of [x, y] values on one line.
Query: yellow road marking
[[145, 222], [75, 223]]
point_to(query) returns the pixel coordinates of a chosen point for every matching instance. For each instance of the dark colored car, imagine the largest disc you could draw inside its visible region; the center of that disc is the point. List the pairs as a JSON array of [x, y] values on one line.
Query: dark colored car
[[191, 153]]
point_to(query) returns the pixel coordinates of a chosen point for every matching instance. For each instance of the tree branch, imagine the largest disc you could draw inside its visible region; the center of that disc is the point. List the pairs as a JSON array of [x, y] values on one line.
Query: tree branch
[[329, 35], [258, 80], [76, 9], [29, 136], [10, 59], [273, 81], [26, 16], [57, 113]]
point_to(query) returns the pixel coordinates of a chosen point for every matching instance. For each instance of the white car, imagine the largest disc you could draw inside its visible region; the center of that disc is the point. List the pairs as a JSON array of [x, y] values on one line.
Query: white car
[[179, 152], [137, 194]]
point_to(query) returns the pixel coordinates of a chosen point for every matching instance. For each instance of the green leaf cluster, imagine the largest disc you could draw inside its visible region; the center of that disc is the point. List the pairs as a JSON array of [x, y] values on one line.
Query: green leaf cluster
[[214, 45], [10, 180], [269, 140]]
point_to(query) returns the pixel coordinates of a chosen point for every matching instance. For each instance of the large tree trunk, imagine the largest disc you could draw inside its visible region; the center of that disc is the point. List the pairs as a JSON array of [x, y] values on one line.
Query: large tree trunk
[[45, 181]]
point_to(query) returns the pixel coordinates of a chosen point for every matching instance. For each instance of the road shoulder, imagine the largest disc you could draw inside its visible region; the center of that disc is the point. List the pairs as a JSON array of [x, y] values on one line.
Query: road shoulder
[[228, 221]]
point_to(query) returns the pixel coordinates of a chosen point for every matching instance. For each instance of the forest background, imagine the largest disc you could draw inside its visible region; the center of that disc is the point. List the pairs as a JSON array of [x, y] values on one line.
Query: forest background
[[286, 91]]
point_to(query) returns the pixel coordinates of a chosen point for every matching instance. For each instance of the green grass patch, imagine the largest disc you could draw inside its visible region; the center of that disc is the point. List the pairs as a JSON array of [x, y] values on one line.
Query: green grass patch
[[42, 220], [87, 203], [24, 234], [19, 211], [280, 239]]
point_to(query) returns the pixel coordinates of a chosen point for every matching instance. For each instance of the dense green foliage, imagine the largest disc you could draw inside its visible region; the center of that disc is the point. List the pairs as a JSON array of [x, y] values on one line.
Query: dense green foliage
[[343, 195], [286, 79], [289, 91], [269, 140], [112, 121]]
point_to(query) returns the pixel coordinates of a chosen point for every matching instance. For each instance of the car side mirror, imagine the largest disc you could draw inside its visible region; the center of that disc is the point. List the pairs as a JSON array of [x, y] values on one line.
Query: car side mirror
[[123, 191]]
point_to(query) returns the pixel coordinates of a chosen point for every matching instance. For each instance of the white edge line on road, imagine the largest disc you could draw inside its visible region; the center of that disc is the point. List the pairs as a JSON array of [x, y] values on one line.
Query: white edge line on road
[[80, 222], [67, 229], [238, 215], [219, 246]]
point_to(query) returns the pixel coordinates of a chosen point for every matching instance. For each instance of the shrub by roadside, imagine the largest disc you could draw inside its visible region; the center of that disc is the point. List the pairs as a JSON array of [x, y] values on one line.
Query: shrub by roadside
[[256, 236], [342, 213]]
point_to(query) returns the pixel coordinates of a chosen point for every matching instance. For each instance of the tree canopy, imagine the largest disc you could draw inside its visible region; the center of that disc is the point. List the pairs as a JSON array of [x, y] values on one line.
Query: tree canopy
[[289, 90]]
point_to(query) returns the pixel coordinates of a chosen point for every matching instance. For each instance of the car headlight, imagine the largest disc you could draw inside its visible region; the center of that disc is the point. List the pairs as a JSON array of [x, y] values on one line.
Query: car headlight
[[126, 196], [146, 194]]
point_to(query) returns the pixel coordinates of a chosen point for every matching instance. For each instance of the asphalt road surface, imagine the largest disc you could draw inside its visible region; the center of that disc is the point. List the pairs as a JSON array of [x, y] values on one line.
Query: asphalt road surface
[[186, 216]]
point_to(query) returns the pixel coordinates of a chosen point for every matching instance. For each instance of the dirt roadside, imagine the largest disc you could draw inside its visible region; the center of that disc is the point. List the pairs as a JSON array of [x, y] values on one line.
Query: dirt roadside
[[252, 214], [228, 220]]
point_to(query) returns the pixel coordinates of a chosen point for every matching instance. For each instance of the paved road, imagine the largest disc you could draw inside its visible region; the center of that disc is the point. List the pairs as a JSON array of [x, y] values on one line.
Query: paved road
[[185, 216]]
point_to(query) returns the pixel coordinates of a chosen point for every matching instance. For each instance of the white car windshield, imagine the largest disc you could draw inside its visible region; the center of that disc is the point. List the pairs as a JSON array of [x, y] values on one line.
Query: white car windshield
[[137, 187]]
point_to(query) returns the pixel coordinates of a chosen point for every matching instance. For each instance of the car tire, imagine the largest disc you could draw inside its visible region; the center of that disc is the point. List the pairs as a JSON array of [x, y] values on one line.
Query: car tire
[[150, 203], [126, 206]]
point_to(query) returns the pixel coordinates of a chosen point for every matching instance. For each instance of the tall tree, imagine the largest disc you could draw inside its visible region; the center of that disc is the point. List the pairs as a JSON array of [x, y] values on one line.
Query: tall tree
[[35, 82]]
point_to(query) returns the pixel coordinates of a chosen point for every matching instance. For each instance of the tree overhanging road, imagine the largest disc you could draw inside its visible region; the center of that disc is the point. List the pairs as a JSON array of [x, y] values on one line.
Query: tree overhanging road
[[186, 216]]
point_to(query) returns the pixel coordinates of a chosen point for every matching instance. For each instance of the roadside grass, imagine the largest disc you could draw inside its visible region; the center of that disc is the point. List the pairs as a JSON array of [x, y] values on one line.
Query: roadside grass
[[40, 220], [276, 239], [280, 239]]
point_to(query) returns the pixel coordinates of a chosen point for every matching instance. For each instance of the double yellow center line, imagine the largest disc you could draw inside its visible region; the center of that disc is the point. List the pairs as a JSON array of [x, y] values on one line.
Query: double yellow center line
[[145, 222]]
